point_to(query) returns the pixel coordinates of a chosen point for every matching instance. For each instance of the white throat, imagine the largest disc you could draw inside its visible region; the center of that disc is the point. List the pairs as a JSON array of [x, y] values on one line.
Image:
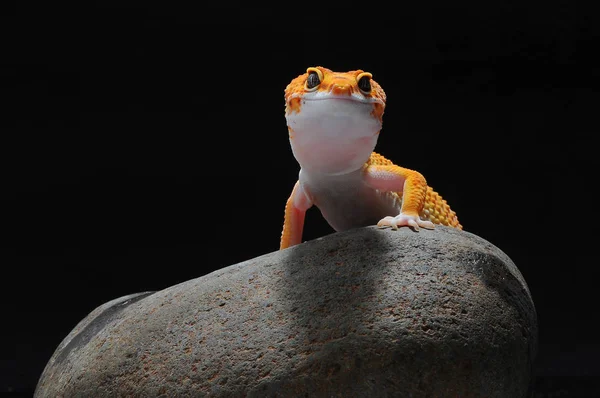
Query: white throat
[[333, 135]]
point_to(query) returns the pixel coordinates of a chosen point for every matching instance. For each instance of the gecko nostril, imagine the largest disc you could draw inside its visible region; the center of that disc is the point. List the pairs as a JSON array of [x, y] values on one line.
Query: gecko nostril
[[341, 89]]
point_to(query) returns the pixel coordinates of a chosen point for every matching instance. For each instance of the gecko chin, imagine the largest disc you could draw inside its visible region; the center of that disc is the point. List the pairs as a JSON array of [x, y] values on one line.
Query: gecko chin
[[333, 136], [333, 157]]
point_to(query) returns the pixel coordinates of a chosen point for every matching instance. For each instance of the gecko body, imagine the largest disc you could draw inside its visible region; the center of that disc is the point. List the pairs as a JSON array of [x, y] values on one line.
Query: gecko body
[[334, 120]]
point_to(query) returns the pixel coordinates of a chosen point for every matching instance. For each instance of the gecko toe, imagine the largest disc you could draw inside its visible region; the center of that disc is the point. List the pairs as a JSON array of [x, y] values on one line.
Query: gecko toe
[[386, 222], [427, 224], [413, 224]]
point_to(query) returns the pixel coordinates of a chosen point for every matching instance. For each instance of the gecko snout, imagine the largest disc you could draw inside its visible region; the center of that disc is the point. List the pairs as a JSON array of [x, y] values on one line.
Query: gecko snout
[[341, 88]]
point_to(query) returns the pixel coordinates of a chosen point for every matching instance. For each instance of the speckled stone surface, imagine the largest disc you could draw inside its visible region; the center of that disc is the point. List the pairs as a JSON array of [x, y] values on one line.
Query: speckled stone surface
[[365, 313]]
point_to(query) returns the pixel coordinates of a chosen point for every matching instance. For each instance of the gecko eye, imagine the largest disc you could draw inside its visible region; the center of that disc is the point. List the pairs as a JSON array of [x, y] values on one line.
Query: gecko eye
[[364, 82], [312, 81], [315, 77]]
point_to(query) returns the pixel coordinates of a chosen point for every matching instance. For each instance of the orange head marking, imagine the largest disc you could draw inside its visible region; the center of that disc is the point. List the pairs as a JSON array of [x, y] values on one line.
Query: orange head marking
[[333, 118], [357, 84]]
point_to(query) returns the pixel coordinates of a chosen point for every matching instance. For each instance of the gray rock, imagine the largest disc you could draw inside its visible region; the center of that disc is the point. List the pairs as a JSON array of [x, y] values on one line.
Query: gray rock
[[364, 313]]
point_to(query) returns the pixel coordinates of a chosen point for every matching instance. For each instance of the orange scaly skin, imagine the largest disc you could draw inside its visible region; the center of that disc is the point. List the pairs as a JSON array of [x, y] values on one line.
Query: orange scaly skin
[[334, 119]]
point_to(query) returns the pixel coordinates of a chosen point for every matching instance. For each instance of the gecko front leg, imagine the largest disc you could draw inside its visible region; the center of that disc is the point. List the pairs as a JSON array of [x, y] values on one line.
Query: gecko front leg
[[410, 185], [295, 210]]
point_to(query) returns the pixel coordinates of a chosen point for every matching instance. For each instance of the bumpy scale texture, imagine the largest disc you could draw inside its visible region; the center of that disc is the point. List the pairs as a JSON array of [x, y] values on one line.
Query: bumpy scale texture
[[435, 208], [346, 108]]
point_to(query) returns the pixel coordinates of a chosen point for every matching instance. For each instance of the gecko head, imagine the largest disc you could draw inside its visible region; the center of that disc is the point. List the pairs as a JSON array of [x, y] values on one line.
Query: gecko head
[[333, 119]]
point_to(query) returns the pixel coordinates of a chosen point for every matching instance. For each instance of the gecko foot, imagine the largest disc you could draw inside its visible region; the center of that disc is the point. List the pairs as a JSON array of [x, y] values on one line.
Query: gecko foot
[[402, 220]]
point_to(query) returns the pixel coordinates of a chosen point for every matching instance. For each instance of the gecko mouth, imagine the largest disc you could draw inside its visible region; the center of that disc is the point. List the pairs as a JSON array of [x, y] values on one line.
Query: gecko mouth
[[360, 100], [351, 99]]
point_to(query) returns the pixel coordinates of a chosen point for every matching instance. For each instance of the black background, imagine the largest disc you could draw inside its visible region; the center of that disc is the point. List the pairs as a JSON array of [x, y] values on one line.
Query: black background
[[143, 146]]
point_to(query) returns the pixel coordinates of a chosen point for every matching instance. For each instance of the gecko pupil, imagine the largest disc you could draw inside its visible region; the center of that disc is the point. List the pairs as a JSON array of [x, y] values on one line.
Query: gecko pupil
[[364, 83], [313, 80]]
